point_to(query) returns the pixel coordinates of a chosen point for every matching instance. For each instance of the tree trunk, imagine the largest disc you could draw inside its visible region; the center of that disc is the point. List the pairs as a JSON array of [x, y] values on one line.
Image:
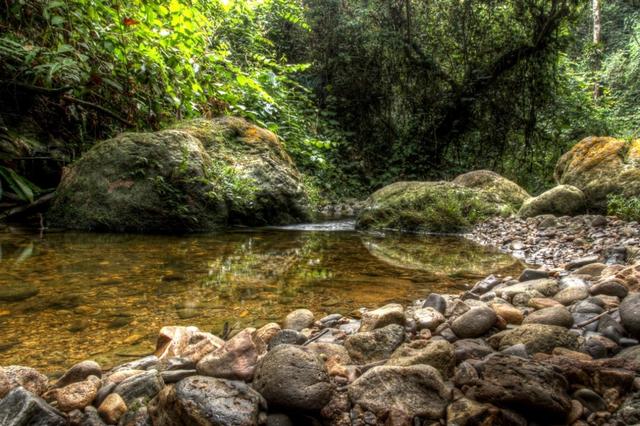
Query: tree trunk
[[597, 40]]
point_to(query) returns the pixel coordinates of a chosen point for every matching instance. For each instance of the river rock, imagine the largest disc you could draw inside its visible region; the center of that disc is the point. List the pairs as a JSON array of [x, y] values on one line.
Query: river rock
[[112, 408], [78, 373], [600, 166], [471, 349], [562, 200], [299, 320], [474, 323], [429, 318], [590, 399], [491, 182], [629, 411], [330, 351], [537, 338], [609, 287], [236, 359], [417, 390], [570, 295], [15, 292], [511, 314], [392, 313], [630, 314], [5, 384], [185, 342], [435, 301], [22, 408], [207, 401], [545, 286], [287, 337], [268, 332], [374, 345], [145, 385], [436, 353], [541, 303], [533, 274], [27, 377], [557, 315], [201, 175], [467, 412], [526, 386], [78, 395], [293, 377]]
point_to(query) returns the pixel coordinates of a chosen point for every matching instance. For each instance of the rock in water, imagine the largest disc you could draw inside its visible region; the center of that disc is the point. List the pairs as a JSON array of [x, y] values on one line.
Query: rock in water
[[207, 401], [430, 207], [416, 390], [15, 292], [529, 387], [600, 166], [563, 200], [293, 377], [21, 408], [202, 175]]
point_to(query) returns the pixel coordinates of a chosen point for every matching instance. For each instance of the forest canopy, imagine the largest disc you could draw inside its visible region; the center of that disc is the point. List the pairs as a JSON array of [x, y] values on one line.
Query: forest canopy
[[362, 92]]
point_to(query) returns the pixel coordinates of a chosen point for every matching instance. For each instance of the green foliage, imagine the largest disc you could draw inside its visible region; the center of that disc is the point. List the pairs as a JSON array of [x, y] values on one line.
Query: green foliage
[[626, 208], [21, 186]]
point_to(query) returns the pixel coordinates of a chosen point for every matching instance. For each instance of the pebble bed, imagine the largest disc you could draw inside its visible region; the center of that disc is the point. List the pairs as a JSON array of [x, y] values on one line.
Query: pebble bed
[[556, 345]]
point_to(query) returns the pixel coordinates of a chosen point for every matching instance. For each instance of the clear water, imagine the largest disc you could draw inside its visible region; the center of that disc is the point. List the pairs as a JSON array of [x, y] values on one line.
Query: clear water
[[105, 296]]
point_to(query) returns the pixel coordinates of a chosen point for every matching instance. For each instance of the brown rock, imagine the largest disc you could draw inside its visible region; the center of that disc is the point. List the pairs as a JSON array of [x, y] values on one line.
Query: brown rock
[[79, 372], [392, 313], [77, 395], [268, 332], [436, 353], [185, 342], [5, 384], [511, 314], [29, 378], [543, 302], [112, 408]]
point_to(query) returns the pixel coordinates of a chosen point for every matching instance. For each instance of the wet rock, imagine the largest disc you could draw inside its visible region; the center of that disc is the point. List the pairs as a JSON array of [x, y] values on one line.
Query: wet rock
[[374, 345], [528, 387], [630, 314], [533, 274], [389, 314], [299, 320], [145, 385], [185, 342], [436, 302], [545, 286], [236, 359], [561, 200], [541, 303], [293, 377], [29, 378], [590, 399], [474, 323], [571, 295], [428, 318], [416, 390], [471, 349], [78, 395], [78, 373], [207, 401], [112, 408], [557, 315], [511, 314], [436, 353], [22, 408], [287, 337], [537, 338], [16, 292]]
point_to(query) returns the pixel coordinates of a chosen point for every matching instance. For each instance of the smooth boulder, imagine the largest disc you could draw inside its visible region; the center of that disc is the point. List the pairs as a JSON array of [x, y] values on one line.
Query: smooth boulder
[[562, 200], [21, 408], [474, 323]]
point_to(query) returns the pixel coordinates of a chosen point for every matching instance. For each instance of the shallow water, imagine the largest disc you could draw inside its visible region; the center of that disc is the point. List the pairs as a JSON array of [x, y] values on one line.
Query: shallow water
[[105, 296]]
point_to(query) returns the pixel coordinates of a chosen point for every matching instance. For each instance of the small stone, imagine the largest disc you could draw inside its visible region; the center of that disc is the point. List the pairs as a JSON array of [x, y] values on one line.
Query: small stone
[[78, 373], [471, 349], [268, 332], [286, 337], [78, 395], [436, 302], [537, 338], [374, 345], [582, 261], [299, 320], [474, 323], [112, 408], [541, 303], [533, 274], [27, 377], [428, 318], [557, 315], [571, 295], [592, 269], [466, 412], [146, 385], [610, 287], [511, 314], [590, 399], [630, 314], [392, 313]]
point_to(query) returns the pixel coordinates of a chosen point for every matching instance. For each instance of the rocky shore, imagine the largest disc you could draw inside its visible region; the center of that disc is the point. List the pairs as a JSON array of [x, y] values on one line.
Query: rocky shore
[[556, 345]]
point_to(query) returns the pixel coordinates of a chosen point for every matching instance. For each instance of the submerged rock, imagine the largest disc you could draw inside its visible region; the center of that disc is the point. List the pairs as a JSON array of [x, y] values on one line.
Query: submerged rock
[[202, 175], [16, 292]]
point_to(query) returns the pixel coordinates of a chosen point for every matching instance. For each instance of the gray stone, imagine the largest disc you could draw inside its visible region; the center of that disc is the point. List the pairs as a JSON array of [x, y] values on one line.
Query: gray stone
[[392, 313], [590, 399], [298, 320], [533, 274], [471, 349], [436, 302], [571, 295], [555, 315], [436, 353], [475, 322], [630, 314], [582, 261], [537, 338], [610, 287], [145, 385], [414, 391], [29, 378], [545, 286], [293, 377], [287, 337], [429, 318], [374, 345], [78, 373], [22, 408], [174, 376], [207, 401]]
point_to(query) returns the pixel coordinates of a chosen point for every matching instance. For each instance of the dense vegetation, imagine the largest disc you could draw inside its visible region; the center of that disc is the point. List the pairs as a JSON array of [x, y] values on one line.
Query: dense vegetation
[[362, 92]]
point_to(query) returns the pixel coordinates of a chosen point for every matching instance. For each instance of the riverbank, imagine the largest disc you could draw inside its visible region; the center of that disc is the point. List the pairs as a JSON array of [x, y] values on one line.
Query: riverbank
[[556, 345]]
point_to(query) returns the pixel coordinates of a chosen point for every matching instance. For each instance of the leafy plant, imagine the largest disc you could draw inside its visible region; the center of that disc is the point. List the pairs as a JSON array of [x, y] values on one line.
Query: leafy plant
[[21, 186], [626, 208]]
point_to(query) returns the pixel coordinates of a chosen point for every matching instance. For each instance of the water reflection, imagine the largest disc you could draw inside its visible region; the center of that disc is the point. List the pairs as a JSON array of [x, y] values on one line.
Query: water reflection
[[70, 296]]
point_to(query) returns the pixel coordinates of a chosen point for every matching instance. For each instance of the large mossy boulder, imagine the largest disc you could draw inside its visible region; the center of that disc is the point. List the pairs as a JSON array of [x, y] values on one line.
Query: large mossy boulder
[[560, 201], [430, 207], [200, 175], [501, 189], [600, 166]]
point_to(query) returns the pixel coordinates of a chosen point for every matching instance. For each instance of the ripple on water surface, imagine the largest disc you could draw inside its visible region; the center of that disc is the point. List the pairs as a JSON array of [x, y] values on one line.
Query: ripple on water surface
[[65, 297]]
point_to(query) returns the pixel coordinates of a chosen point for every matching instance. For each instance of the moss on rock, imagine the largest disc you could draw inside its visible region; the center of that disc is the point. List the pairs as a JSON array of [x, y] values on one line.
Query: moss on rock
[[600, 166], [201, 175], [429, 207], [560, 201], [501, 189]]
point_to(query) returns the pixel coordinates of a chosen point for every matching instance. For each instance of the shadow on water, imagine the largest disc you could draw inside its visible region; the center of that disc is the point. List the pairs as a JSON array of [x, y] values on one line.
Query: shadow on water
[[72, 296]]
